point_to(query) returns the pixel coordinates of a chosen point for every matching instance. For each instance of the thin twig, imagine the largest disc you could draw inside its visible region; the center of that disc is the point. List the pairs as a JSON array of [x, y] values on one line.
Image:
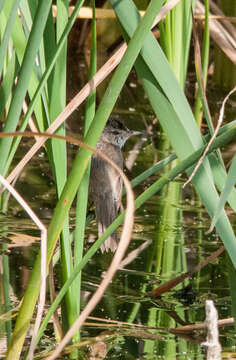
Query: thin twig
[[179, 279], [134, 254], [202, 326], [216, 17], [220, 120]]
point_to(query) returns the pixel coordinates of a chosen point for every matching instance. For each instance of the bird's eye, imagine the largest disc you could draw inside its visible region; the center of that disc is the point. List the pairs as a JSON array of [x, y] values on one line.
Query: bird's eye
[[115, 132]]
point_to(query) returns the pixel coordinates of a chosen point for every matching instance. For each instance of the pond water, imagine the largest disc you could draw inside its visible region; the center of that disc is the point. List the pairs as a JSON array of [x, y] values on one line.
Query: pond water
[[173, 224]]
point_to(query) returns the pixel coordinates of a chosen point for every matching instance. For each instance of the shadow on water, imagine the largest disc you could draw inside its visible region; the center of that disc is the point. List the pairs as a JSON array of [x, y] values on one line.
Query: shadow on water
[[174, 224]]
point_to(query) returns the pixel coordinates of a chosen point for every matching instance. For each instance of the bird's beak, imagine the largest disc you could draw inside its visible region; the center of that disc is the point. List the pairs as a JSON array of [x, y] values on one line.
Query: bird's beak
[[133, 132]]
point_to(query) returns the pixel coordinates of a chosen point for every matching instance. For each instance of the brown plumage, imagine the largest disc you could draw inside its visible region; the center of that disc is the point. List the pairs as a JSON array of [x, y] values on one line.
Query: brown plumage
[[105, 183]]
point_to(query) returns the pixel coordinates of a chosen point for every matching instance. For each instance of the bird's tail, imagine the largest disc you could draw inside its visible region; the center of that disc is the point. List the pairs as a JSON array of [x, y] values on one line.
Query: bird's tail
[[106, 212]]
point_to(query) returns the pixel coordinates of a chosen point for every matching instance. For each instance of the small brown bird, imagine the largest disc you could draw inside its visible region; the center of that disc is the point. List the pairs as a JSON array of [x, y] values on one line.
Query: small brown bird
[[105, 183]]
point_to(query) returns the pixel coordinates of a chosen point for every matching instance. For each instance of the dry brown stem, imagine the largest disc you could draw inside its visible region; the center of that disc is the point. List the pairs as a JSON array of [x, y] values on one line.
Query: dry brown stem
[[174, 282]]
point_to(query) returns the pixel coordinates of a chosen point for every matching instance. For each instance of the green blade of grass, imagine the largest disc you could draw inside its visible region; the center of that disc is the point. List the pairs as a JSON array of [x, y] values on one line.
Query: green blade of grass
[[229, 186], [6, 291], [12, 7], [8, 83], [220, 177], [82, 196], [205, 61], [58, 158]]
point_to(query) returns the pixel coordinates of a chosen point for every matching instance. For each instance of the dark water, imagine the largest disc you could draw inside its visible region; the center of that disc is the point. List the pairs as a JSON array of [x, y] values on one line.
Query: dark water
[[172, 222]]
